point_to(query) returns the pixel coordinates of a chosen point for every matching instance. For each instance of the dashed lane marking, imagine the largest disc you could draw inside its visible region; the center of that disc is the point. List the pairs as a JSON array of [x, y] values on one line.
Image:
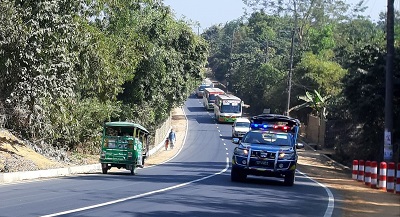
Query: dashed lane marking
[[140, 195]]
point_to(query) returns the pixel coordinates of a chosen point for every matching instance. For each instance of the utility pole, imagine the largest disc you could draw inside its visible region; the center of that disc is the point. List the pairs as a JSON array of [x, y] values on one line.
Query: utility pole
[[291, 59], [387, 145], [230, 59], [290, 73]]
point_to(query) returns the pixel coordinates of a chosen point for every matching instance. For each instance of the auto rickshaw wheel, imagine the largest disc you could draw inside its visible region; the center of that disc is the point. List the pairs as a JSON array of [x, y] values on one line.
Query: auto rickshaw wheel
[[133, 171], [104, 168]]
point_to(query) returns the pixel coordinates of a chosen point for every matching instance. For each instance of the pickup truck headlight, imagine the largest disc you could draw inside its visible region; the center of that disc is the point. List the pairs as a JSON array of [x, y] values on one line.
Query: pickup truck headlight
[[241, 152], [286, 156]]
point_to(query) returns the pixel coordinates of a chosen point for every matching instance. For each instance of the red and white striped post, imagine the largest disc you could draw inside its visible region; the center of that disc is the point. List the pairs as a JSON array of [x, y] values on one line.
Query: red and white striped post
[[355, 170], [360, 177], [374, 174], [398, 179], [382, 176], [390, 177], [368, 173]]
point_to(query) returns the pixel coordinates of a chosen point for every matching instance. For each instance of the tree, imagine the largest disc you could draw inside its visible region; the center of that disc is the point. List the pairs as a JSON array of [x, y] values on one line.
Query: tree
[[37, 60], [353, 35], [315, 101], [364, 94], [68, 66], [307, 13], [319, 73]]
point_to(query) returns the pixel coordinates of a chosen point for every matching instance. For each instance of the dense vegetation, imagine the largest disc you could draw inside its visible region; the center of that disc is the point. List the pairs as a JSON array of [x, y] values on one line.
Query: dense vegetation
[[338, 67], [66, 66]]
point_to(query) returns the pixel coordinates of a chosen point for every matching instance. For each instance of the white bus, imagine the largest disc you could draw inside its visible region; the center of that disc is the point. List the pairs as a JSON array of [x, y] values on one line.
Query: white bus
[[227, 108], [209, 96]]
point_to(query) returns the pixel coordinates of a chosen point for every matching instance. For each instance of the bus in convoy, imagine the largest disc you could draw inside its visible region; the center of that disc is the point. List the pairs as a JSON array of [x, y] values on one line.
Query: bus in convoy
[[227, 108], [209, 97], [207, 83]]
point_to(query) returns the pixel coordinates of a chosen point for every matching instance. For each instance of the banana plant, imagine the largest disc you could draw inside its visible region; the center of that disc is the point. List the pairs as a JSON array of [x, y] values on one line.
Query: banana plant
[[315, 101]]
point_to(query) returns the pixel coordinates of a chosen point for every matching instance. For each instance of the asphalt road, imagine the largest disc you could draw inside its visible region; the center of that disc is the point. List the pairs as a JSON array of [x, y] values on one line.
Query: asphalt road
[[195, 183]]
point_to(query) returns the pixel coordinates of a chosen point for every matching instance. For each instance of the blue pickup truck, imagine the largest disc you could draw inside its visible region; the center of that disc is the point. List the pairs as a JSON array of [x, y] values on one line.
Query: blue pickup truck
[[268, 149]]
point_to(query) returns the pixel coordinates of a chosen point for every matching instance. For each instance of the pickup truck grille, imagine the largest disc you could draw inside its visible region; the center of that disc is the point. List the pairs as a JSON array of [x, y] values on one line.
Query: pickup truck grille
[[263, 154]]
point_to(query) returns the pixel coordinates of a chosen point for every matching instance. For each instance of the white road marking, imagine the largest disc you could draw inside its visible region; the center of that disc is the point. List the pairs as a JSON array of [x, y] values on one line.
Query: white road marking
[[139, 195], [147, 193], [331, 199]]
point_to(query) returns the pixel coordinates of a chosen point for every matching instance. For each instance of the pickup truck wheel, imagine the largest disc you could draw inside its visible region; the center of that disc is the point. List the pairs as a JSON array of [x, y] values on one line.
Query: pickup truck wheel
[[289, 179], [237, 176]]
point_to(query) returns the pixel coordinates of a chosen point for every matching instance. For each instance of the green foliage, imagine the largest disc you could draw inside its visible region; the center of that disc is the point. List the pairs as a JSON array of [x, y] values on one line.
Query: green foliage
[[68, 68], [37, 59], [315, 101], [318, 73], [321, 39], [364, 95], [353, 35]]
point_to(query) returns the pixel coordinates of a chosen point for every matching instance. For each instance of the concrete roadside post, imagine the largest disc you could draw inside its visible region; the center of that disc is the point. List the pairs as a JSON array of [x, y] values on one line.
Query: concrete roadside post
[[374, 174], [355, 170], [382, 176], [368, 173], [360, 177]]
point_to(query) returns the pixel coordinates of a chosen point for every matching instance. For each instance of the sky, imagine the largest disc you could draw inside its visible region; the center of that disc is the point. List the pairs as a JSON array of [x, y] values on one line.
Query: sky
[[213, 12]]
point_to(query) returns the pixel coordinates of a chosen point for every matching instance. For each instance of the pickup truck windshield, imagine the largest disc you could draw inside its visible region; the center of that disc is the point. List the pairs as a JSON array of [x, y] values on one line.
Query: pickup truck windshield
[[268, 138]]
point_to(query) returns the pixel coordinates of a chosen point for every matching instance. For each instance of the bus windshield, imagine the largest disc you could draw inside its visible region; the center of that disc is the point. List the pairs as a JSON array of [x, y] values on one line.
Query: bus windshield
[[212, 97], [231, 108], [203, 86]]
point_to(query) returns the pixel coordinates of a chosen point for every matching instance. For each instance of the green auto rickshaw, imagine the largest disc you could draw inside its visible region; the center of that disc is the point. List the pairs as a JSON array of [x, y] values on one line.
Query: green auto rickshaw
[[123, 145]]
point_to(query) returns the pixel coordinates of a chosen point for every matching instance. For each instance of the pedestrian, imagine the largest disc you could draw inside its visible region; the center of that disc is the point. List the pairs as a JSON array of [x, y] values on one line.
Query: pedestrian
[[172, 138], [166, 144]]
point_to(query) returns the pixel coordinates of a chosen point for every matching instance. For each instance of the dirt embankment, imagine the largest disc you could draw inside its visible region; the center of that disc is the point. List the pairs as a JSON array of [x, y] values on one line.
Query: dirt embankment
[[16, 156]]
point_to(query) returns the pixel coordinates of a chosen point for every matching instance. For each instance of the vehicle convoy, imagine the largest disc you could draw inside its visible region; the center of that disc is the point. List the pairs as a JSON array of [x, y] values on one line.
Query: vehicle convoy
[[227, 108], [268, 149], [123, 145], [240, 127], [209, 97], [205, 84]]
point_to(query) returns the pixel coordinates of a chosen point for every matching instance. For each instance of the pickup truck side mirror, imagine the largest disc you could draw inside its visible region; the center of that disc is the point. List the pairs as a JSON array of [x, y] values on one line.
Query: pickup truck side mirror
[[235, 140], [299, 145]]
